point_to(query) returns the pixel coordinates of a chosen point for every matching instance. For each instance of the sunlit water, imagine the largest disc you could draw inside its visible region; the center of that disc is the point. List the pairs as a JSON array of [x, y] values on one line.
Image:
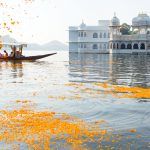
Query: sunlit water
[[66, 83]]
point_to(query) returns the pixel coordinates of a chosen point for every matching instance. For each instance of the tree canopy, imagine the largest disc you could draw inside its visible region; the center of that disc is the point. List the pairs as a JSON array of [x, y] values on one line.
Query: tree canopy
[[125, 29]]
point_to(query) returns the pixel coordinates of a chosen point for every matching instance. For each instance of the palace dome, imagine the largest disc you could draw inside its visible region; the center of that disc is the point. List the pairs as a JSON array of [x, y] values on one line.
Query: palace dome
[[141, 20], [115, 21]]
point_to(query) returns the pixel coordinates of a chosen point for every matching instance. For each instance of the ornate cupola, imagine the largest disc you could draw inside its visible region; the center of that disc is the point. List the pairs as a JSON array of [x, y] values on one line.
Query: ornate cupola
[[141, 20], [115, 26], [115, 21], [141, 24]]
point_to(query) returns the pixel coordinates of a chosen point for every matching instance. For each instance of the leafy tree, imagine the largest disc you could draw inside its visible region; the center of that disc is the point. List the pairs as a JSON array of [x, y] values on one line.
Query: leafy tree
[[135, 32], [125, 29]]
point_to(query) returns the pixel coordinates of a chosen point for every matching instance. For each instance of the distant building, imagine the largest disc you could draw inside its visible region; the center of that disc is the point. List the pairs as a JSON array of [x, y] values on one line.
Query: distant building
[[90, 39], [107, 38], [137, 42]]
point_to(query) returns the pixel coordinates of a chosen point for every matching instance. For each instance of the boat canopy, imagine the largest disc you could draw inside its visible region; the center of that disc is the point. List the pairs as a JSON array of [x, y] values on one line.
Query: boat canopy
[[13, 44]]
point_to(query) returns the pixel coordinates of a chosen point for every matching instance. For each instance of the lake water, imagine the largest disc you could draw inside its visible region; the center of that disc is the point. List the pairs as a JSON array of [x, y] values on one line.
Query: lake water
[[95, 101]]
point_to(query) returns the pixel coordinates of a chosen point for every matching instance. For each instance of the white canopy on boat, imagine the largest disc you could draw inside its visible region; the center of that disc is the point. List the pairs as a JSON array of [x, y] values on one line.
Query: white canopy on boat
[[13, 44]]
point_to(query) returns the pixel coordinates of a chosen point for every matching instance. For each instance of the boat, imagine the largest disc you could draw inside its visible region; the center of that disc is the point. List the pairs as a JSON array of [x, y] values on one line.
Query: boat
[[22, 58], [30, 58]]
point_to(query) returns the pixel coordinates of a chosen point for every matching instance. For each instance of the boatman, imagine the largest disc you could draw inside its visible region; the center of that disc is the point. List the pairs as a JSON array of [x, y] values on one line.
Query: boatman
[[13, 48]]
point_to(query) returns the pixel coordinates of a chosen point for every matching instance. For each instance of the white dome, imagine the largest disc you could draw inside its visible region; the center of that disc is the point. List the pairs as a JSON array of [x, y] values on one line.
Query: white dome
[[141, 20], [115, 21]]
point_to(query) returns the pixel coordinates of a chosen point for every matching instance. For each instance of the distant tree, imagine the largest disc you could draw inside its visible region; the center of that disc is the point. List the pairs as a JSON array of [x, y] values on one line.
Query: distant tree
[[125, 29], [135, 32]]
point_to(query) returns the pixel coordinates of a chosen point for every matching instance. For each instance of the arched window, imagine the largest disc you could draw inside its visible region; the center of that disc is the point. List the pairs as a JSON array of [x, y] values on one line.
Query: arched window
[[123, 46], [142, 46], [81, 34], [95, 35], [104, 46], [135, 46], [95, 46], [84, 34], [81, 45], [104, 35], [84, 45], [100, 35], [117, 46], [129, 46], [114, 46]]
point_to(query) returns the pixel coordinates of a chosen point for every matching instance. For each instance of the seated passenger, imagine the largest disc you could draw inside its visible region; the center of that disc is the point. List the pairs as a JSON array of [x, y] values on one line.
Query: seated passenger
[[1, 55], [6, 54], [17, 54], [11, 54]]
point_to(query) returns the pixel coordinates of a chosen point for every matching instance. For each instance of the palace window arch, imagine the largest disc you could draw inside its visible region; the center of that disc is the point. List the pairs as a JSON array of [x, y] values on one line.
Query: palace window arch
[[117, 46], [135, 46], [104, 46], [114, 46], [95, 35], [104, 35], [95, 46], [101, 35], [142, 46], [129, 46], [123, 46]]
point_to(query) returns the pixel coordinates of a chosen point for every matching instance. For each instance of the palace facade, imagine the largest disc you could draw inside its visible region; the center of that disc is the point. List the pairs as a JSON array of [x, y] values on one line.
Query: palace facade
[[90, 39], [137, 42], [107, 38]]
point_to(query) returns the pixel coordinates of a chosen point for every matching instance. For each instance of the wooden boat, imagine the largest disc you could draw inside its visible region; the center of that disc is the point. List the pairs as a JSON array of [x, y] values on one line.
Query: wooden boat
[[30, 58], [21, 58]]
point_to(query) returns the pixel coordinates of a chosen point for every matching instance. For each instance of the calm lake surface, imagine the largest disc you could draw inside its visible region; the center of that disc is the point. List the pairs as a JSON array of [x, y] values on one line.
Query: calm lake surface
[[91, 87]]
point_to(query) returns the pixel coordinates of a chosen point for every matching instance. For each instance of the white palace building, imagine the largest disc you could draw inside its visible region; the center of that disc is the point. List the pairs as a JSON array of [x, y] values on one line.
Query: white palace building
[[90, 39], [107, 38]]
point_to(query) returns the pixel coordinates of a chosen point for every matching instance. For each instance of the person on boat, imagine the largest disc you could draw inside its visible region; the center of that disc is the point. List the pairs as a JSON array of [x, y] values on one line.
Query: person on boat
[[1, 55], [5, 54], [13, 53], [17, 54], [20, 50]]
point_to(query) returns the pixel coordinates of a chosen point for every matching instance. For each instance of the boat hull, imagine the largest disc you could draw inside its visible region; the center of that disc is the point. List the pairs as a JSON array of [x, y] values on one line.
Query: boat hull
[[28, 58]]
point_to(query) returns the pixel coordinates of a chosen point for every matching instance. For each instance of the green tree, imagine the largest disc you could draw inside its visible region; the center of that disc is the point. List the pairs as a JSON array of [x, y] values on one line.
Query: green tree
[[125, 29]]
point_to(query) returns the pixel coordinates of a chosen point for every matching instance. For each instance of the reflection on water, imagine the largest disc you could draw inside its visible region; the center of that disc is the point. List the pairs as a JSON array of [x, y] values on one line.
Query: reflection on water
[[123, 81], [89, 67], [13, 69], [132, 70], [91, 101]]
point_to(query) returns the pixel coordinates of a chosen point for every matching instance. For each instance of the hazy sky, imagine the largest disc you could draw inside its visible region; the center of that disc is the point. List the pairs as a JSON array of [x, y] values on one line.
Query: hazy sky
[[47, 20]]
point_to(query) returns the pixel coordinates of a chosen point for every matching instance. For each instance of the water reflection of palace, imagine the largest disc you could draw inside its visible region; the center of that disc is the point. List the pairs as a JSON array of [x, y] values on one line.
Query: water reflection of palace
[[89, 67], [132, 70]]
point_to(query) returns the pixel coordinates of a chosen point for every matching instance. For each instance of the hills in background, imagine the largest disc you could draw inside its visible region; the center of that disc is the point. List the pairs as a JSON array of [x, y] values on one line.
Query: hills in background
[[52, 45]]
